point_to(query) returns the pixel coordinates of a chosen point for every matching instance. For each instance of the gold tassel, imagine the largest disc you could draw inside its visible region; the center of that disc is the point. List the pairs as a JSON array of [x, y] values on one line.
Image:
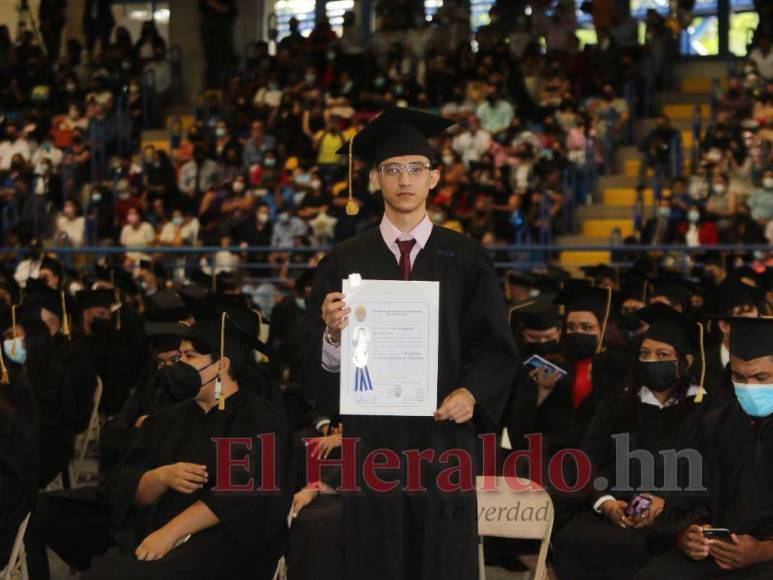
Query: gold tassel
[[701, 388], [218, 381], [518, 307], [600, 346], [352, 207], [65, 318], [13, 329]]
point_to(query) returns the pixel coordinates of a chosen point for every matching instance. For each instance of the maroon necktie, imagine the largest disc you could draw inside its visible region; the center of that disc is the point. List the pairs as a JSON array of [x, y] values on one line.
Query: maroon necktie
[[405, 257]]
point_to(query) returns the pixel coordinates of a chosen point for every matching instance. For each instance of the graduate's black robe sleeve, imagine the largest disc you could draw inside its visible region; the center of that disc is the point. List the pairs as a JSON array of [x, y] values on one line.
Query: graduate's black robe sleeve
[[256, 516], [489, 355], [599, 447]]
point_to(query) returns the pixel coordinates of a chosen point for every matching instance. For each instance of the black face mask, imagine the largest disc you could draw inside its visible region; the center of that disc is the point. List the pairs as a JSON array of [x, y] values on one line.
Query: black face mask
[[541, 348], [580, 346], [100, 326], [659, 375], [183, 380]]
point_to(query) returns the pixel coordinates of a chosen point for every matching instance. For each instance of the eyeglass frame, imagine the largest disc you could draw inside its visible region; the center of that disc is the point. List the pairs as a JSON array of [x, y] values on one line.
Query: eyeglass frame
[[404, 167]]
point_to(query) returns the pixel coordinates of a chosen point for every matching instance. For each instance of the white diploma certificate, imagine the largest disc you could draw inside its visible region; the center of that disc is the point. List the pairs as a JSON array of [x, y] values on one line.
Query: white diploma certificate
[[389, 349]]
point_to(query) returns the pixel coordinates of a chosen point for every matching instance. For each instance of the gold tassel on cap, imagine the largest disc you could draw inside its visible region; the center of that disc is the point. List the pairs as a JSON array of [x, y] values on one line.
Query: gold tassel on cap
[[218, 382], [65, 318], [701, 388], [600, 346], [352, 207], [13, 329]]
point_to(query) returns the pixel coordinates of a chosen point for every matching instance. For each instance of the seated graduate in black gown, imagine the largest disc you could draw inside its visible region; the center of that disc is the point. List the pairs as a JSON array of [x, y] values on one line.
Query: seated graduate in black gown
[[29, 347], [739, 451], [19, 455], [655, 416], [154, 393], [168, 492]]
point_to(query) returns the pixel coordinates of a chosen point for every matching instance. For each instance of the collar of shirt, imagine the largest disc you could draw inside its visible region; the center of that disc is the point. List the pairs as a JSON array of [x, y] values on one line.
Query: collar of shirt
[[391, 233], [647, 397]]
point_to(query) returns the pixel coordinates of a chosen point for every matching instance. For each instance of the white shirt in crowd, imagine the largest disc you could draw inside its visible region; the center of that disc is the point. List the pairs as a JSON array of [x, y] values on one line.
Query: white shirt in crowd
[[46, 152], [73, 229], [189, 232], [141, 237], [7, 150], [472, 147]]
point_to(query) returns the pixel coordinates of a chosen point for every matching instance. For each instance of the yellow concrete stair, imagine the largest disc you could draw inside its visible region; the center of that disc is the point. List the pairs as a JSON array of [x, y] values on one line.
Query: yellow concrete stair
[[187, 121], [700, 85], [685, 111], [625, 196], [159, 144], [601, 228], [584, 258], [631, 167]]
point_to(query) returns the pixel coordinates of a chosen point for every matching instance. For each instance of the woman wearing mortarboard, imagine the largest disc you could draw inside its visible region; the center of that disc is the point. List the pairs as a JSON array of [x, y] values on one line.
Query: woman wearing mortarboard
[[630, 443]]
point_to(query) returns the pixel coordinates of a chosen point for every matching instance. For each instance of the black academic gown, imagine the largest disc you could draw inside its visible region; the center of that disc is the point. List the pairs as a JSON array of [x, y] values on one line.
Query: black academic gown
[[57, 409], [252, 532], [739, 452], [19, 459], [80, 378], [590, 547], [112, 361], [151, 397], [428, 535]]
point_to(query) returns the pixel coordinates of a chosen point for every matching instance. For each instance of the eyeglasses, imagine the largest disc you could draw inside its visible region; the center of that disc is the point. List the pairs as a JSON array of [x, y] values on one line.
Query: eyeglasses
[[415, 169]]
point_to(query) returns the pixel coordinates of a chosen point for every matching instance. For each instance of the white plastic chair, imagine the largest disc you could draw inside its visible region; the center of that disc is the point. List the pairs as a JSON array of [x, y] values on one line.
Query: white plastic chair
[[91, 434], [17, 563], [501, 514]]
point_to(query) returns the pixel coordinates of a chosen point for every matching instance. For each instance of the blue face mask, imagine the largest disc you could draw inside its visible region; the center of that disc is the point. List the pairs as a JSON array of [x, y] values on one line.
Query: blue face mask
[[14, 349], [755, 400]]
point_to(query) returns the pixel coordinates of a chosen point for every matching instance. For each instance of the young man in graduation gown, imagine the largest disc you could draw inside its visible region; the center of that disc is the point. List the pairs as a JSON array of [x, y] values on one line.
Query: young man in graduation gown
[[400, 535], [738, 450]]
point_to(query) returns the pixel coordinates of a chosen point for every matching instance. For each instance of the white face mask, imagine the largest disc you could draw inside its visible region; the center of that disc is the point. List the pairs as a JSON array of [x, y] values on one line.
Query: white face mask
[[767, 183], [262, 218], [448, 159], [238, 186], [694, 217], [719, 188]]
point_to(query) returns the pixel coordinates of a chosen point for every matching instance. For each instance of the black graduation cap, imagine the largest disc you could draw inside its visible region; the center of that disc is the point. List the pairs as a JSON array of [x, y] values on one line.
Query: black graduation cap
[[577, 283], [523, 279], [600, 272], [213, 306], [38, 293], [102, 298], [397, 131], [729, 295], [537, 314], [119, 278], [670, 326], [634, 289], [547, 285], [164, 336], [53, 265], [673, 288], [586, 298], [751, 338], [166, 306]]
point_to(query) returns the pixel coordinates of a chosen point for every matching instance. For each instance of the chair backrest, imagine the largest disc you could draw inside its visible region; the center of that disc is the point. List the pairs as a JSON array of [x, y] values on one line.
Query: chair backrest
[[17, 552], [517, 508], [510, 507]]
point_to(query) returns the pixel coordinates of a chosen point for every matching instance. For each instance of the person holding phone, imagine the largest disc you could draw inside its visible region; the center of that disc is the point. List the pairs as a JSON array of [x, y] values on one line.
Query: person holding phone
[[620, 531], [738, 448]]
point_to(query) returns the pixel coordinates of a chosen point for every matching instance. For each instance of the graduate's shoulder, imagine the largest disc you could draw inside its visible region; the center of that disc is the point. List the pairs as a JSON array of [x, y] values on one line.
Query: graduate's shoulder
[[455, 244], [355, 244]]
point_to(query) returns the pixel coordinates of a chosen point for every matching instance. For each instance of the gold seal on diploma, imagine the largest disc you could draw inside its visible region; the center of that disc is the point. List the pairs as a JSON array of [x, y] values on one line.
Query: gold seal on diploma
[[359, 313]]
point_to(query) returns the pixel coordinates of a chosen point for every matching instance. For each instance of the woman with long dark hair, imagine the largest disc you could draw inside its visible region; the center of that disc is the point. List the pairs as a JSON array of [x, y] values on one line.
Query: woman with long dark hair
[[631, 445]]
